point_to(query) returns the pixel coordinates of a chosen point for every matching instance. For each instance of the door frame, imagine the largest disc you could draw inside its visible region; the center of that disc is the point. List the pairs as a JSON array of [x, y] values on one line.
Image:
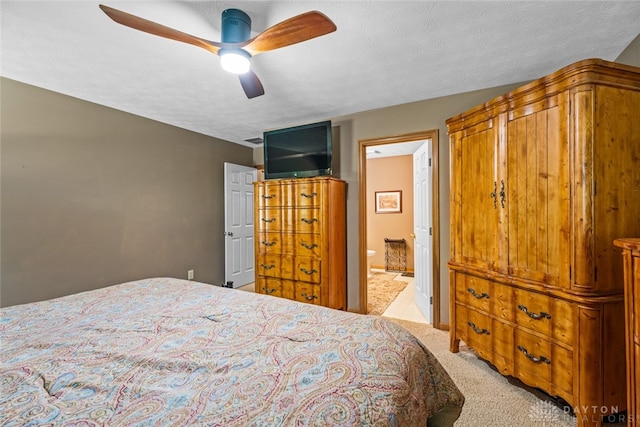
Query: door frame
[[435, 207]]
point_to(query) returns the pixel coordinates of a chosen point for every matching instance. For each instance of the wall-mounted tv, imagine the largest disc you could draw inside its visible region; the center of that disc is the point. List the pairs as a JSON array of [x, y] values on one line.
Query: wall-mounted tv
[[297, 152]]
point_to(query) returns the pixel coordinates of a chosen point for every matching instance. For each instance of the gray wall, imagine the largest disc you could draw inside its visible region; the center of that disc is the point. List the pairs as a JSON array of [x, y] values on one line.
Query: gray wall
[[92, 196]]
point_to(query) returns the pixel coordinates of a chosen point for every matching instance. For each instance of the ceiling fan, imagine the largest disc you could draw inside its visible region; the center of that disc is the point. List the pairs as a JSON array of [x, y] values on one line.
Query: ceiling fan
[[236, 48]]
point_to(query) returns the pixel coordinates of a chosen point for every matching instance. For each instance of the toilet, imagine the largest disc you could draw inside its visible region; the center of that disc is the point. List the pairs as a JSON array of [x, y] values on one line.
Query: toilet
[[370, 254]]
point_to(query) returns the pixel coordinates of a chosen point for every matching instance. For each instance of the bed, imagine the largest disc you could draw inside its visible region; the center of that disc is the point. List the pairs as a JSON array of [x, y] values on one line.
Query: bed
[[172, 352]]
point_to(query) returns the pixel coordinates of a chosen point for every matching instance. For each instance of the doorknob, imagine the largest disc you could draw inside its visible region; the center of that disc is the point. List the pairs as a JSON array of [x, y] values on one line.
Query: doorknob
[[228, 233], [413, 236]]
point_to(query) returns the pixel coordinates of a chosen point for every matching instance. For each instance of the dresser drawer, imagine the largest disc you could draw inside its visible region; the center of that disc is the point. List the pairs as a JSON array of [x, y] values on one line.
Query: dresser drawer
[[305, 193], [550, 316], [539, 363], [270, 194], [272, 242], [275, 287], [304, 244], [306, 220], [307, 269], [275, 265], [306, 292], [272, 219]]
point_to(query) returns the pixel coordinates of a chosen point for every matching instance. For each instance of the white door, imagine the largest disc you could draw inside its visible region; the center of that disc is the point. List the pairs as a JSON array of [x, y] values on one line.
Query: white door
[[422, 223], [238, 225]]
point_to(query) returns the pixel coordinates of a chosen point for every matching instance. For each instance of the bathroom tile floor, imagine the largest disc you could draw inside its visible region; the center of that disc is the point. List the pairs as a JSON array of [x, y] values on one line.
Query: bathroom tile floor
[[404, 307]]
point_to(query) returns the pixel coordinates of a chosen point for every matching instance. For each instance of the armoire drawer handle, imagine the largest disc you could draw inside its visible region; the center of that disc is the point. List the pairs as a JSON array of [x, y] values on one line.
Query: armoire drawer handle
[[309, 272], [478, 330], [309, 297], [531, 357], [265, 196], [309, 246], [309, 221], [536, 316], [268, 291], [477, 295], [308, 196], [268, 219], [268, 267], [271, 243]]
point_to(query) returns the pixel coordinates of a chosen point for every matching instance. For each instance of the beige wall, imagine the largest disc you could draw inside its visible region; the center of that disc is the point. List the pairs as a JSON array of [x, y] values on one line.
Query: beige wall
[[390, 174], [93, 196]]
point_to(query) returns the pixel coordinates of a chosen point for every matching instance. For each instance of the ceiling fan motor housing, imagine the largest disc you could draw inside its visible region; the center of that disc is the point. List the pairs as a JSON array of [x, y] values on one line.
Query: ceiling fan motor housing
[[236, 26]]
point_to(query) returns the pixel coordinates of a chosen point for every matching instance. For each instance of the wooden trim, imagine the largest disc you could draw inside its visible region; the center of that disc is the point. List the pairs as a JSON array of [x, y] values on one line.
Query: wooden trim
[[362, 210]]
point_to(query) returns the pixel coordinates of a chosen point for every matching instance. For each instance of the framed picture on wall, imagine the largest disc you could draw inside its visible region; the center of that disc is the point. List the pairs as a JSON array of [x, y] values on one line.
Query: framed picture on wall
[[389, 201]]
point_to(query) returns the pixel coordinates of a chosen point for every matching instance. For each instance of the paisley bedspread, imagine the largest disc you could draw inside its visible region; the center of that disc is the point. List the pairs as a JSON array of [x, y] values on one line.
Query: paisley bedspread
[[170, 352]]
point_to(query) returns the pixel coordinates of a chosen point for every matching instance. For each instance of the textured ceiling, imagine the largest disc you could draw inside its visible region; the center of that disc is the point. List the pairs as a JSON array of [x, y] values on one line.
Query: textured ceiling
[[383, 53]]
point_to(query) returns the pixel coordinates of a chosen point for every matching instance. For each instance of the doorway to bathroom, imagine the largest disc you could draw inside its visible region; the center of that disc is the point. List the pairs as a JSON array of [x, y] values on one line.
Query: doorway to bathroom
[[401, 217]]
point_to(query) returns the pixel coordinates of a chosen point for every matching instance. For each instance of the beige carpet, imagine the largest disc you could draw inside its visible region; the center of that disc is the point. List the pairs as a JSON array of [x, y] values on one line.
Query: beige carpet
[[381, 291], [491, 399]]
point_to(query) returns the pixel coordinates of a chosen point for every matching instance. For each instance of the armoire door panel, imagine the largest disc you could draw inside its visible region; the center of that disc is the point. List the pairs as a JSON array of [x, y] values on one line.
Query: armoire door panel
[[538, 217], [479, 199]]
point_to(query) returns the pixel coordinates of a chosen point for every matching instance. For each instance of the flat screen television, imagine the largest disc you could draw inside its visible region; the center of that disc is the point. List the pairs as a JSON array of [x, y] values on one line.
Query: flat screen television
[[298, 152]]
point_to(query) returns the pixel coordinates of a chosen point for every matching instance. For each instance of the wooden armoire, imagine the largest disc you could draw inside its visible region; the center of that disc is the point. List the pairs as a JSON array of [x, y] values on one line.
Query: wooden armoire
[[631, 267], [543, 179], [300, 240]]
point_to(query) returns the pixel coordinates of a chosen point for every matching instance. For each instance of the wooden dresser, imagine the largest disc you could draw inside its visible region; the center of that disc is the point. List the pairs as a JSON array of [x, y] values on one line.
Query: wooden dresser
[[301, 240], [631, 267], [543, 179]]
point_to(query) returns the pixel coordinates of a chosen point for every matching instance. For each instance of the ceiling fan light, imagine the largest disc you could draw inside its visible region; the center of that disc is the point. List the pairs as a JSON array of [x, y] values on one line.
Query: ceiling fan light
[[235, 61]]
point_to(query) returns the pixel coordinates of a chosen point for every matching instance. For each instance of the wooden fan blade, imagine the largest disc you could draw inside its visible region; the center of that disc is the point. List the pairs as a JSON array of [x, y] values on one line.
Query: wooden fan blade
[[159, 30], [294, 30], [251, 84]]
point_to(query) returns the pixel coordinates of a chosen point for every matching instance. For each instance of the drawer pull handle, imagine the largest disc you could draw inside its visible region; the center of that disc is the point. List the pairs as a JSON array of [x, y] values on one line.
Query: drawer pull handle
[[268, 219], [309, 246], [477, 295], [265, 196], [267, 267], [309, 297], [268, 291], [536, 316], [309, 221], [309, 272], [478, 330], [503, 195], [308, 196], [271, 243], [531, 357]]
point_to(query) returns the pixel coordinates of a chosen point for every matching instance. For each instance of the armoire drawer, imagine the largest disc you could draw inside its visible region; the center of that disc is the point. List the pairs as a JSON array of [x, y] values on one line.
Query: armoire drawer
[[473, 291], [474, 328], [490, 337], [485, 295], [539, 363], [550, 316]]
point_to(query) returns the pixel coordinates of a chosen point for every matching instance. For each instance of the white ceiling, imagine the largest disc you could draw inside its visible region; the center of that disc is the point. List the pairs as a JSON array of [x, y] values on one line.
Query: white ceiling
[[383, 53]]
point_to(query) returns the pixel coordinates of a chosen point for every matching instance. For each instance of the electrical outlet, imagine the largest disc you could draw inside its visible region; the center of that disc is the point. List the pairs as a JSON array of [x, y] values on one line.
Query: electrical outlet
[[190, 275]]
